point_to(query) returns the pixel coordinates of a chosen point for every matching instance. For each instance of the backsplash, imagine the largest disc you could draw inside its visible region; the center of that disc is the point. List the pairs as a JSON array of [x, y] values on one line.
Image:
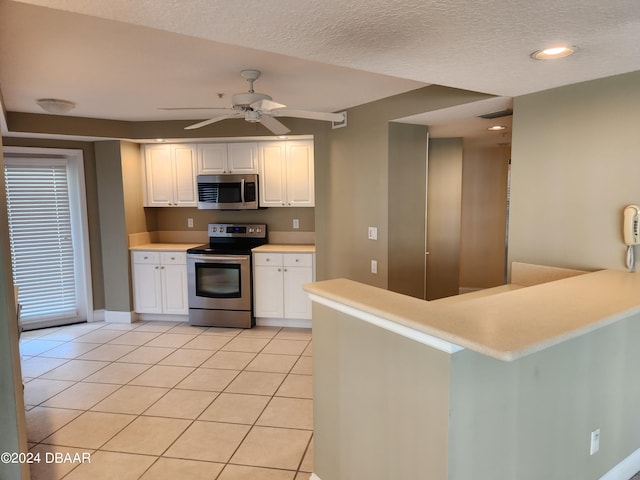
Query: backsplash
[[277, 219]]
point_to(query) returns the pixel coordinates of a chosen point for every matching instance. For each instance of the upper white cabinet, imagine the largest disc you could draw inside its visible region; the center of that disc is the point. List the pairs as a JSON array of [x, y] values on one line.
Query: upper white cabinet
[[170, 175], [286, 174], [217, 158], [285, 171]]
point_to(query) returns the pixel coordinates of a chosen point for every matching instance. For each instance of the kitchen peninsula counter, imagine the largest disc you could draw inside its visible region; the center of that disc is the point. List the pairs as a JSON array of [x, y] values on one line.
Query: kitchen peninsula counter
[[502, 384], [507, 325]]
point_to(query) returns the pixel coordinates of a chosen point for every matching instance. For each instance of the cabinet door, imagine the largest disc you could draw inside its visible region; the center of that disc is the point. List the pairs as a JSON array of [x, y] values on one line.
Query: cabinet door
[[272, 174], [300, 175], [242, 157], [185, 190], [158, 176], [174, 289], [268, 291], [296, 300], [147, 288], [212, 158]]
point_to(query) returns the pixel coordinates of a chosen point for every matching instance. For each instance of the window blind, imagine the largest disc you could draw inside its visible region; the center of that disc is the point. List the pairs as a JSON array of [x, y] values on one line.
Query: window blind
[[41, 239]]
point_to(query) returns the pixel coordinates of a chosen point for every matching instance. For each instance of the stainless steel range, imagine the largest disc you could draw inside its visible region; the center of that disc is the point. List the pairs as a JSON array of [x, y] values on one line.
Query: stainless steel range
[[219, 276]]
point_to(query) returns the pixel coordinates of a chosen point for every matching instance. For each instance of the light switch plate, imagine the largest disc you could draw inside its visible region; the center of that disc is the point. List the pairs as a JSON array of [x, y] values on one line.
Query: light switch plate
[[373, 233]]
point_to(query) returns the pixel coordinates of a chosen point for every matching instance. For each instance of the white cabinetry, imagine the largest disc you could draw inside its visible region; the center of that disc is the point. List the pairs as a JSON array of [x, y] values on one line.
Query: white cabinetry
[[217, 158], [286, 174], [160, 282], [170, 175], [278, 280]]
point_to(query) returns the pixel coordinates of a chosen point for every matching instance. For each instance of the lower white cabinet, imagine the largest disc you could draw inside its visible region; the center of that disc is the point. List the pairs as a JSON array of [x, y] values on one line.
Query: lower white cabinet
[[160, 282], [277, 284]]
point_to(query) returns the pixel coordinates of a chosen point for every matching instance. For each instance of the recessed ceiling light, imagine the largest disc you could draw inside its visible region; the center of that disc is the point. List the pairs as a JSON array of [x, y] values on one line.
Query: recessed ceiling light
[[553, 52], [497, 128], [159, 140]]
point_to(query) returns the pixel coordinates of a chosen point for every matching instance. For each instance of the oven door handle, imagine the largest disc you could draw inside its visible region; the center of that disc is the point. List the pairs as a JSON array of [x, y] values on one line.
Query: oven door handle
[[211, 258], [242, 190]]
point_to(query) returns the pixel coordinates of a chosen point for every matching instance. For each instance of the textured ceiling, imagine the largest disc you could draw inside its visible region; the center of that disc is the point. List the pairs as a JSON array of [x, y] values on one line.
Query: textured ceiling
[[122, 59]]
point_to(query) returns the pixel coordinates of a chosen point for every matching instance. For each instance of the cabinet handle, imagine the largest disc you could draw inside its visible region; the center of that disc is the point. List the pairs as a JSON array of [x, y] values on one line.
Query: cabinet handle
[[279, 270], [146, 258], [268, 259], [297, 259], [157, 268]]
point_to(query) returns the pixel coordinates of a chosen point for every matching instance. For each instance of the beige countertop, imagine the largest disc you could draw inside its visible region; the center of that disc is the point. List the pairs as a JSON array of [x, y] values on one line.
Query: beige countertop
[[167, 247], [284, 248], [507, 325]]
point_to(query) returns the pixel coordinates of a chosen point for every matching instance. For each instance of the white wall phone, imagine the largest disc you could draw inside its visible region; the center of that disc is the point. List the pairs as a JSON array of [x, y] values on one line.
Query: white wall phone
[[631, 232]]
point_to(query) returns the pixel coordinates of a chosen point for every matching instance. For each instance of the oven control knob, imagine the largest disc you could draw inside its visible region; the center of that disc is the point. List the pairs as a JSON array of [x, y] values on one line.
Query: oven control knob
[[251, 230], [258, 230]]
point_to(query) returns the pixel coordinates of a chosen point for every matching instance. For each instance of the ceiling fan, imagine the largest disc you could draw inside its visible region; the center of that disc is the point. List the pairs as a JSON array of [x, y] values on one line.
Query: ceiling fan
[[259, 108]]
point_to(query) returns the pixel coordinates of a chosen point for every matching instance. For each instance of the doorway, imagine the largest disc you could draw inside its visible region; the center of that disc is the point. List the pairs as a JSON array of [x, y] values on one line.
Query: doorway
[[48, 235]]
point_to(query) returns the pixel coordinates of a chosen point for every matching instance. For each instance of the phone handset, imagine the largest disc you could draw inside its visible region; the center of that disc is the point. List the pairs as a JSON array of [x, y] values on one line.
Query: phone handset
[[631, 232]]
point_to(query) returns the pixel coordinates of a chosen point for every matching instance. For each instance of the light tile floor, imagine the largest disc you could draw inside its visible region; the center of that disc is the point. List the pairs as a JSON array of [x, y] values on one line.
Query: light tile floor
[[159, 400]]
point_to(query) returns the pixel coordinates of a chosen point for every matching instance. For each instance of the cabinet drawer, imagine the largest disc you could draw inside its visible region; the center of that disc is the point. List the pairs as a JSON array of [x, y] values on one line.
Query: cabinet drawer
[[268, 259], [298, 260], [173, 258], [146, 257]]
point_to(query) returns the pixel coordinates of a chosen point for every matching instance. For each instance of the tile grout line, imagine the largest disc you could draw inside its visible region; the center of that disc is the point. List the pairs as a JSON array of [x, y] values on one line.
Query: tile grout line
[[202, 333]]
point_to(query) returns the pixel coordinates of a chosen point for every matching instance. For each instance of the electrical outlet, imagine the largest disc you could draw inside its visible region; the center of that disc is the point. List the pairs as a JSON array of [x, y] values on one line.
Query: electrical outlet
[[374, 267], [595, 442], [373, 233], [296, 223], [189, 222]]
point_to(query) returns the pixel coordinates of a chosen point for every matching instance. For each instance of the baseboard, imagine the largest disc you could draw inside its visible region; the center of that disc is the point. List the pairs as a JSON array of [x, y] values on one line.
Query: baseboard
[[98, 316], [284, 322], [159, 317], [119, 317], [463, 290], [625, 469]]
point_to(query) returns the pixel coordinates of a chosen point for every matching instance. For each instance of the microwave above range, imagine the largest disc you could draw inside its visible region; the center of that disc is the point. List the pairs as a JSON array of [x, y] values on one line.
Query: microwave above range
[[228, 192]]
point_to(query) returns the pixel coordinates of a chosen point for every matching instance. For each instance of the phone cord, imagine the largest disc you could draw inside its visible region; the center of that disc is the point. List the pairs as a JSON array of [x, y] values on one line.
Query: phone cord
[[630, 258]]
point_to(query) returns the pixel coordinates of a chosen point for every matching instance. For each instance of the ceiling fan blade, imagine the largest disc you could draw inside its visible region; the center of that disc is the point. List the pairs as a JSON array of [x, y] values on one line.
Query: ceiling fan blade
[[266, 105], [274, 125], [327, 117], [213, 120]]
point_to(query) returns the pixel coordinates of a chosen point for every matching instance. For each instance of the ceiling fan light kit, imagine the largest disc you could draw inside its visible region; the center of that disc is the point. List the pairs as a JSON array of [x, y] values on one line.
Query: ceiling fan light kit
[[260, 108]]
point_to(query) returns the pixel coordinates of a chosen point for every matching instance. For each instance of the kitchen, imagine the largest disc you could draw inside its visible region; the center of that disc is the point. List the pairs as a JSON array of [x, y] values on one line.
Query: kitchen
[[342, 155]]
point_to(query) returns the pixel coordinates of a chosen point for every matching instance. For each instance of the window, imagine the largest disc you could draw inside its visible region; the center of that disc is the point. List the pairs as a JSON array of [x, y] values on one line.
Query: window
[[45, 204]]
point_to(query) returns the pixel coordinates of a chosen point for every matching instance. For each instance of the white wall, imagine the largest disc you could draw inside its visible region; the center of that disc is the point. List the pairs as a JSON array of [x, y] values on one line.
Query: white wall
[[575, 165]]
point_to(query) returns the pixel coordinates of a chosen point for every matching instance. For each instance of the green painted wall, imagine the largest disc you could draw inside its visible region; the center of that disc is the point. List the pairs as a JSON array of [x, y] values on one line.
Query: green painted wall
[[575, 165]]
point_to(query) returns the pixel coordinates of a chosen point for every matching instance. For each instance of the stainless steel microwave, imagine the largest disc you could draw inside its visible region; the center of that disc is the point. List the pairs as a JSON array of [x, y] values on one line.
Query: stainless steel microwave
[[228, 192]]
